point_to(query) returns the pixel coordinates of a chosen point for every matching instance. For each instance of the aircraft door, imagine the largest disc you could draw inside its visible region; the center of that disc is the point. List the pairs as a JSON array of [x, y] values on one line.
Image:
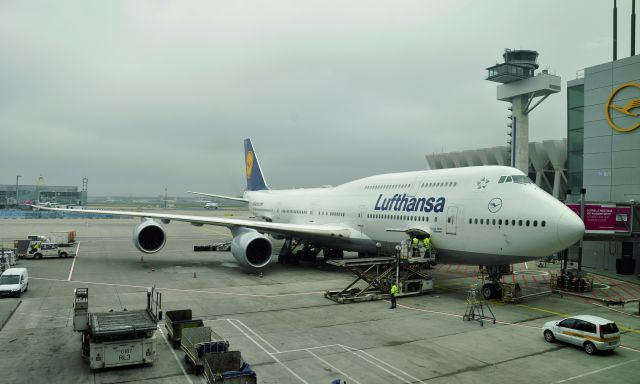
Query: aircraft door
[[276, 213], [361, 214], [452, 220], [415, 186]]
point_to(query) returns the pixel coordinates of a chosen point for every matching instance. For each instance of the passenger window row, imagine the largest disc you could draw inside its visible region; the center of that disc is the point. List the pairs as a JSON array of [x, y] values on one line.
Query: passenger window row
[[294, 211], [508, 222], [386, 186], [339, 214], [383, 216], [440, 184]]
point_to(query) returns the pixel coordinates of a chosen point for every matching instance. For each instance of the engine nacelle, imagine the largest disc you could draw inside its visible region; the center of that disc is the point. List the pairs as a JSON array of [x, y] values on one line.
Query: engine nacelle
[[250, 248], [149, 236]]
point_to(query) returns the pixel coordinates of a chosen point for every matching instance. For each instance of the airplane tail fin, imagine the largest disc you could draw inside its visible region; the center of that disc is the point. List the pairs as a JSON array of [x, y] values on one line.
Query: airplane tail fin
[[255, 179]]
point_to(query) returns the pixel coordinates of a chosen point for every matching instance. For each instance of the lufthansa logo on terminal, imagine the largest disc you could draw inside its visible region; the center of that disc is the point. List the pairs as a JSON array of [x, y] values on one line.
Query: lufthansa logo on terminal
[[624, 118], [495, 204], [249, 163]]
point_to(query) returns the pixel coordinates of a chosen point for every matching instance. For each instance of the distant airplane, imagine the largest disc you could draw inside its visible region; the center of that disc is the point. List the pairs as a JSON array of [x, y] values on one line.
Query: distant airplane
[[489, 215]]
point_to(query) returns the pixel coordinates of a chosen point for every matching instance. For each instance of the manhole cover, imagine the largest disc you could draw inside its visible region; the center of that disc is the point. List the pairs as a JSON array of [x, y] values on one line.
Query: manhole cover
[[532, 273], [600, 286]]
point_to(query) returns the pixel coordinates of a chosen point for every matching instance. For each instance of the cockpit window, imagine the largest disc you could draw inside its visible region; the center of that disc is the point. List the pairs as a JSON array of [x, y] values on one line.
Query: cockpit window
[[515, 179], [521, 179]]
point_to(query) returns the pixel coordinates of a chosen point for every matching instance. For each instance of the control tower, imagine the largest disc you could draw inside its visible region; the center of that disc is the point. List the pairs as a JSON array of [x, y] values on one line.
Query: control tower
[[520, 86]]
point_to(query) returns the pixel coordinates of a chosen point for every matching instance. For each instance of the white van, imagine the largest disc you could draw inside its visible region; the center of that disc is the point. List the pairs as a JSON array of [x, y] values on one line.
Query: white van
[[14, 281]]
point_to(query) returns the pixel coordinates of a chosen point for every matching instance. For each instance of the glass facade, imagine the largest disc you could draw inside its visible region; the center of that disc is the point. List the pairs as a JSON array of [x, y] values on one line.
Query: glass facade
[[575, 137]]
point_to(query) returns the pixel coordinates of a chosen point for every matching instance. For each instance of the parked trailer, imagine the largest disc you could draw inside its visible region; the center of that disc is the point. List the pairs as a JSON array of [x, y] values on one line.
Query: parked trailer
[[22, 247], [228, 368], [176, 321], [196, 342], [114, 339]]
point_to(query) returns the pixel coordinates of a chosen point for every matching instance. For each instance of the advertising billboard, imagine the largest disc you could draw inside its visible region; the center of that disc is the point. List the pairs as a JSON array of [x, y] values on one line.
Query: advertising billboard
[[604, 217]]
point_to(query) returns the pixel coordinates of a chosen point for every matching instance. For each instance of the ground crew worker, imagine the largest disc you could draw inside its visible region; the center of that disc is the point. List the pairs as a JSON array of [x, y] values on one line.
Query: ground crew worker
[[394, 293], [415, 243], [427, 246]]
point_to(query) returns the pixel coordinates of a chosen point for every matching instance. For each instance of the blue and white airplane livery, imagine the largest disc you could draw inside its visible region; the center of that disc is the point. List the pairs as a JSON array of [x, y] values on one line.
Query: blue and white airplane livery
[[488, 215]]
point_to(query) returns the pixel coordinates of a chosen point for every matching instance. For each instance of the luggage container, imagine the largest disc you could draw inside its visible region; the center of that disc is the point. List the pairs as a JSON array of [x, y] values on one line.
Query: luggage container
[[196, 342], [176, 321], [228, 368]]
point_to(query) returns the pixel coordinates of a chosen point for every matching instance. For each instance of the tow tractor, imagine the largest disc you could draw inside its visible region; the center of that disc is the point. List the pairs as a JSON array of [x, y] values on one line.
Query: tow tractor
[[115, 339]]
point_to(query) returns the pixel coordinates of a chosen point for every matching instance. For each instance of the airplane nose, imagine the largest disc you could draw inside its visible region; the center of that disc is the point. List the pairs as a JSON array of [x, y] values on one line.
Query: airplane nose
[[570, 228]]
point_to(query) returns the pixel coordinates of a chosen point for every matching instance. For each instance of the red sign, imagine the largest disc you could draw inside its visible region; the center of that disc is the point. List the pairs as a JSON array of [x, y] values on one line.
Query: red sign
[[599, 217]]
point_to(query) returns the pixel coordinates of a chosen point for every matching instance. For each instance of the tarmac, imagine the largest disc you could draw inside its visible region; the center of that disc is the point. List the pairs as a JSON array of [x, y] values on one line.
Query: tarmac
[[284, 326]]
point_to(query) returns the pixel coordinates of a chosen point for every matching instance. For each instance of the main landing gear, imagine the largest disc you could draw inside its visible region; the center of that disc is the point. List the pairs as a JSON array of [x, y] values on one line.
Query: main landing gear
[[294, 251], [492, 289]]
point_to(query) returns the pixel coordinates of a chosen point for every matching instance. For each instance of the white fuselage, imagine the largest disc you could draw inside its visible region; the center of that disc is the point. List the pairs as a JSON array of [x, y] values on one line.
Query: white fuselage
[[475, 215]]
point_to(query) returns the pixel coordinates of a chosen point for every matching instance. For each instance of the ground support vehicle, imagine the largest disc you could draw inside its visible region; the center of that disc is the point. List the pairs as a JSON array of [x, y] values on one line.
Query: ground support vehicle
[[592, 333], [228, 368], [14, 281], [220, 247], [176, 321], [38, 250], [378, 273], [114, 339], [196, 342]]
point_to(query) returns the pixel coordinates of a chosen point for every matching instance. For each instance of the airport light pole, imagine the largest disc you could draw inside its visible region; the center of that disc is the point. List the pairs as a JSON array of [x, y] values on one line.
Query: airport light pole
[[17, 199]]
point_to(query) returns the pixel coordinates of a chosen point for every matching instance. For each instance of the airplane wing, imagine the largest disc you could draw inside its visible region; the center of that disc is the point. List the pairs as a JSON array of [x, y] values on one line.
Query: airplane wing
[[220, 196], [309, 231]]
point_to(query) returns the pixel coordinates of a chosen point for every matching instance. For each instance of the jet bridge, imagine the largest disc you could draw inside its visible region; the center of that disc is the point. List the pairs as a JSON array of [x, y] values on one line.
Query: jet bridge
[[378, 273]]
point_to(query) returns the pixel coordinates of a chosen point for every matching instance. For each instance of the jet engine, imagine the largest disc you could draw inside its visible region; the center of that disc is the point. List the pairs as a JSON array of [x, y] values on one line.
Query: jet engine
[[149, 236], [251, 248]]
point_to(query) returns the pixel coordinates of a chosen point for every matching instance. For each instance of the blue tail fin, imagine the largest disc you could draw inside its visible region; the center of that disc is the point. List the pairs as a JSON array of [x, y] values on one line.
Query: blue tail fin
[[255, 180]]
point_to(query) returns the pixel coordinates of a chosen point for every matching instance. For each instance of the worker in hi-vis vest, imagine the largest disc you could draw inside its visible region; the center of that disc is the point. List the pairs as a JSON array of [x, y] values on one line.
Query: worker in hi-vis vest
[[394, 293], [427, 246], [415, 244]]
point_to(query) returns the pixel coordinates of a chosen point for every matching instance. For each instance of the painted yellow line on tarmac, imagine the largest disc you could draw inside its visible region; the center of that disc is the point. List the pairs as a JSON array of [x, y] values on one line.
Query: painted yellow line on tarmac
[[544, 310], [621, 327]]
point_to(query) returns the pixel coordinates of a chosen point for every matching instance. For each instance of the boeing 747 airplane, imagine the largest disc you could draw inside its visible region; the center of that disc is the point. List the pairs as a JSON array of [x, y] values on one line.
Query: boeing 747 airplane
[[489, 215]]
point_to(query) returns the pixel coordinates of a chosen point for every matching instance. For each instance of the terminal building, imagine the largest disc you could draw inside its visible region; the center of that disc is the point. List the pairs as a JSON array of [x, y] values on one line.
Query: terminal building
[[598, 163], [10, 194], [603, 142]]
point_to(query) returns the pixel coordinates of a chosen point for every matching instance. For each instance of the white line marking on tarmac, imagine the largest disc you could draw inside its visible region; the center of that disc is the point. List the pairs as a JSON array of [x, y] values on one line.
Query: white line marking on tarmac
[[258, 336], [355, 350], [596, 371], [73, 265], [186, 375], [267, 352], [351, 379]]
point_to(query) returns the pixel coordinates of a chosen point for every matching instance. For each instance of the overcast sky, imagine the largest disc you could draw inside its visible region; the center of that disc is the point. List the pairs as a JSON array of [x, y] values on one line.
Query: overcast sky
[[140, 96]]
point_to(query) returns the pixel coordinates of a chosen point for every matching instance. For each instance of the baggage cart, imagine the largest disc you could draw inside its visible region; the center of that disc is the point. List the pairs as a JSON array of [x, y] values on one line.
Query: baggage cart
[[176, 321], [227, 368], [196, 342]]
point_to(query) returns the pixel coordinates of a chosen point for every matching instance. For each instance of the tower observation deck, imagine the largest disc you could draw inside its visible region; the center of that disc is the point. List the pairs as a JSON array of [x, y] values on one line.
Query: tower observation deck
[[520, 86]]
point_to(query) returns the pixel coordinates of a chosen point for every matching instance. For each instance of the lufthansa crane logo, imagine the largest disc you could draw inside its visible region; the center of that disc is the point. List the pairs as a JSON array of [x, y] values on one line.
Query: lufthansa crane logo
[[495, 204], [249, 163], [624, 109]]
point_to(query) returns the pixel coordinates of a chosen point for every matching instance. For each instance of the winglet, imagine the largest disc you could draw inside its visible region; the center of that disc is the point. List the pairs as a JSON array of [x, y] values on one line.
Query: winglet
[[255, 179]]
